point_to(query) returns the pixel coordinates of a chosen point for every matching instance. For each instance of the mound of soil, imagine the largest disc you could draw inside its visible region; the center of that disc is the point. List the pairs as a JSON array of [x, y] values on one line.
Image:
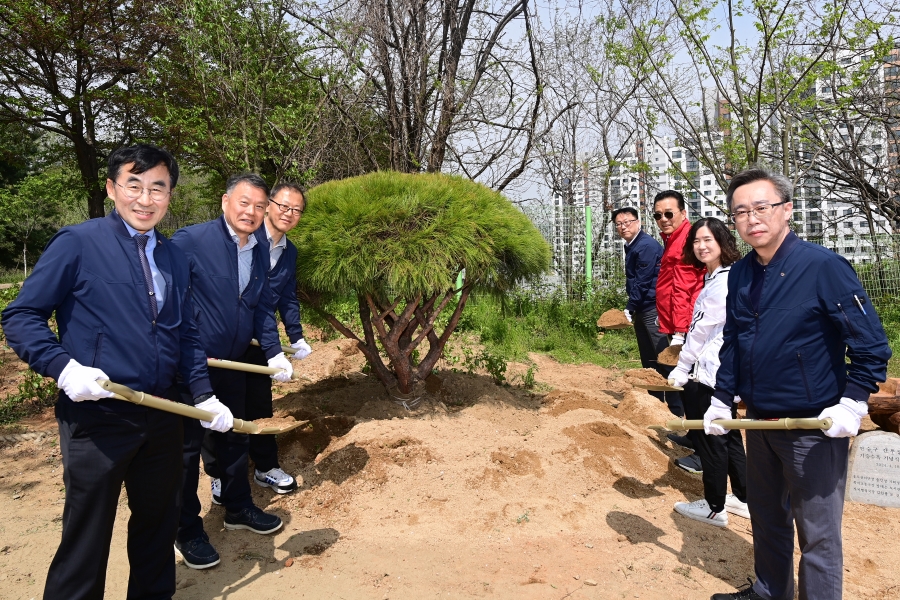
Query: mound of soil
[[613, 319], [670, 355], [644, 376]]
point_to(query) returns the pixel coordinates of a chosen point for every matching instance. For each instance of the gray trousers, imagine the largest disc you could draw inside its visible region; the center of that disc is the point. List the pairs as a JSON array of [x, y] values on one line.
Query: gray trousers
[[797, 477]]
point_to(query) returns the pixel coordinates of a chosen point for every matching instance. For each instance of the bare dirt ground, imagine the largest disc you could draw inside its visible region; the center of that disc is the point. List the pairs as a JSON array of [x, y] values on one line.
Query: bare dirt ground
[[482, 492]]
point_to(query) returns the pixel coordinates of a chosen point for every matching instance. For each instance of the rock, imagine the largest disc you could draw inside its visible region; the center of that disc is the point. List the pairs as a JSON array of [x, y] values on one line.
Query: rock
[[621, 538], [588, 545], [575, 577], [289, 562], [590, 582]]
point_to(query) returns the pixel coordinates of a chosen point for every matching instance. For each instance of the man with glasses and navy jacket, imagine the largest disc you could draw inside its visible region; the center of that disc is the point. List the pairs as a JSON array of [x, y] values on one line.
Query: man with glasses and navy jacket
[[642, 256], [286, 205], [124, 312], [801, 339]]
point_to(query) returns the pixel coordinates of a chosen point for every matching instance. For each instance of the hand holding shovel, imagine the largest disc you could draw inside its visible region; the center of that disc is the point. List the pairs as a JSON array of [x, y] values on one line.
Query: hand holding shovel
[[262, 427]]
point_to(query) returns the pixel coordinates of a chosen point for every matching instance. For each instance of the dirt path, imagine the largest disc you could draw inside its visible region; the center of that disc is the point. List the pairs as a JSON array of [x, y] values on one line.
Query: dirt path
[[482, 492]]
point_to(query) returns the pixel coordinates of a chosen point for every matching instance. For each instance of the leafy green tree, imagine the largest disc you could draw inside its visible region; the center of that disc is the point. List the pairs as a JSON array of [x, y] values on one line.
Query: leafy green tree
[[228, 94], [31, 211], [68, 67], [400, 241]]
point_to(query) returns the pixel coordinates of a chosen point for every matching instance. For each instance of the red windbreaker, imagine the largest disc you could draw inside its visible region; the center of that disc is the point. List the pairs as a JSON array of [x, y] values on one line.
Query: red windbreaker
[[678, 284]]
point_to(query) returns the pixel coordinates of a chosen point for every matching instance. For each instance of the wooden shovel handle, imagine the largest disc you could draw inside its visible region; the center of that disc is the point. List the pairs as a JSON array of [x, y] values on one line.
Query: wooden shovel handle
[[123, 392], [753, 424], [287, 349], [234, 365]]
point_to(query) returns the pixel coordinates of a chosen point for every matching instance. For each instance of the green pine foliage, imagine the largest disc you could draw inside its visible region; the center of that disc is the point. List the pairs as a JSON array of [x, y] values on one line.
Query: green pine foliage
[[398, 242], [403, 234]]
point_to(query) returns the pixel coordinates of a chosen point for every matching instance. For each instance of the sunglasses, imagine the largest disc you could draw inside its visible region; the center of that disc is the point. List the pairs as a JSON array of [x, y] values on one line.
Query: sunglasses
[[659, 215]]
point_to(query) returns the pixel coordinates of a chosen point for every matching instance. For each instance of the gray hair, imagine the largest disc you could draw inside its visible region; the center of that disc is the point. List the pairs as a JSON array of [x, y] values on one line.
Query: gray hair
[[783, 186], [251, 179]]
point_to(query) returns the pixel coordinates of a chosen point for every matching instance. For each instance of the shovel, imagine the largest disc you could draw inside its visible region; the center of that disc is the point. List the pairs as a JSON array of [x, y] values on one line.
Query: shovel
[[679, 424], [246, 367], [285, 349], [122, 392], [652, 387]]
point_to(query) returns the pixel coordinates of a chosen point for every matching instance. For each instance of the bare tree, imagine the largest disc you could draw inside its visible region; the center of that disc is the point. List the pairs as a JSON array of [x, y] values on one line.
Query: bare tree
[[455, 84]]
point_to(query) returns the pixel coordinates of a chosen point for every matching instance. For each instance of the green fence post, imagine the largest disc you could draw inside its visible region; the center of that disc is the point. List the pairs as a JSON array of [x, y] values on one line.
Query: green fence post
[[588, 243]]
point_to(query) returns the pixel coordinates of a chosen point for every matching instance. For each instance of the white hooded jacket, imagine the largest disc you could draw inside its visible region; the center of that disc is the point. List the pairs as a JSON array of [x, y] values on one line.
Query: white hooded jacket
[[700, 353]]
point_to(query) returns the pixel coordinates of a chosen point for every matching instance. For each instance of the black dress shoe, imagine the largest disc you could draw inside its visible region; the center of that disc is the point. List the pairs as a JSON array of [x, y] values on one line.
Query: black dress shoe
[[682, 440], [744, 594], [253, 519], [197, 553]]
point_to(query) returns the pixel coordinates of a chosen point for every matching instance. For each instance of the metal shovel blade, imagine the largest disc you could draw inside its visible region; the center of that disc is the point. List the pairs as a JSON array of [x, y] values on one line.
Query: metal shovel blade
[[122, 392]]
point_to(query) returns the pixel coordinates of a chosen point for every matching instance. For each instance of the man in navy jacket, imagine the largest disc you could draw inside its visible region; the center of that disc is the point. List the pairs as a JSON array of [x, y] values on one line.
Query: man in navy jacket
[[121, 293], [642, 256], [232, 304], [286, 205], [795, 313]]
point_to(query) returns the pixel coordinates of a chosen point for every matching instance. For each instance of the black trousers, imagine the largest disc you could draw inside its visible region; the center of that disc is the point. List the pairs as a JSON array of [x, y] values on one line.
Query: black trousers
[[258, 405], [722, 456], [650, 343], [230, 450], [101, 450]]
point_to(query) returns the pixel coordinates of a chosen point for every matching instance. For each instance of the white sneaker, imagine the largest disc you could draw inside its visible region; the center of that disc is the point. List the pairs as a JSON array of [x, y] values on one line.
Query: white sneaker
[[276, 479], [736, 507], [216, 489], [699, 511]]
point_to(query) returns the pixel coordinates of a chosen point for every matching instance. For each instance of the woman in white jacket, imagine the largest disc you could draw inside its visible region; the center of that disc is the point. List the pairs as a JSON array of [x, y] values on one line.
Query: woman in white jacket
[[710, 244]]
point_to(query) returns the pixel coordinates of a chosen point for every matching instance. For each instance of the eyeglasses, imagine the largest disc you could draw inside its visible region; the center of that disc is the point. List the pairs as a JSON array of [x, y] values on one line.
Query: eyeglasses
[[659, 215], [624, 224], [284, 208], [134, 191], [763, 211]]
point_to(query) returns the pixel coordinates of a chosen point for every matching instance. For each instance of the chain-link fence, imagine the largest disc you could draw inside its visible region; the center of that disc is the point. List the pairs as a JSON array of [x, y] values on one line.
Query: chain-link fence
[[876, 258]]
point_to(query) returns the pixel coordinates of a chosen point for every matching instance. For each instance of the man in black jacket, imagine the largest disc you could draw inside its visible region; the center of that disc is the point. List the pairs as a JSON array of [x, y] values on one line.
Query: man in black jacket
[[642, 256], [233, 305]]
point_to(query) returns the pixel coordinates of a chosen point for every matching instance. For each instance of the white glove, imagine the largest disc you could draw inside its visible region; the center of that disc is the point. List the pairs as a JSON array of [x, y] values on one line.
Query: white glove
[[80, 382], [677, 340], [280, 361], [303, 349], [716, 410], [223, 421], [845, 417], [627, 314], [678, 377]]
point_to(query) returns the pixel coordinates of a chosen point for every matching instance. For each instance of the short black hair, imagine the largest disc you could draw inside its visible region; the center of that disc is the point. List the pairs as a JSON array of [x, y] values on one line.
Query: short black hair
[[144, 157], [724, 238], [626, 209], [783, 186], [670, 194], [289, 185], [249, 178]]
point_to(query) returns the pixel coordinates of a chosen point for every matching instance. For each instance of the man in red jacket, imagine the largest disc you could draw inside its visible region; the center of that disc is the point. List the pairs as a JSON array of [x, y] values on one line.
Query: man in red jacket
[[678, 284]]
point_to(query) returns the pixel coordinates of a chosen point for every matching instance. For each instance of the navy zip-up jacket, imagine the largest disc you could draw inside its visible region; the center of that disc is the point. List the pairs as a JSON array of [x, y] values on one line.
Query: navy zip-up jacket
[[642, 258], [283, 283], [90, 274], [228, 318], [787, 334]]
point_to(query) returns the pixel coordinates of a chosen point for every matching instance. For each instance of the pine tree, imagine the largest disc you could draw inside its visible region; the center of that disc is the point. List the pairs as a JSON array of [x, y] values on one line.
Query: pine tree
[[399, 242]]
